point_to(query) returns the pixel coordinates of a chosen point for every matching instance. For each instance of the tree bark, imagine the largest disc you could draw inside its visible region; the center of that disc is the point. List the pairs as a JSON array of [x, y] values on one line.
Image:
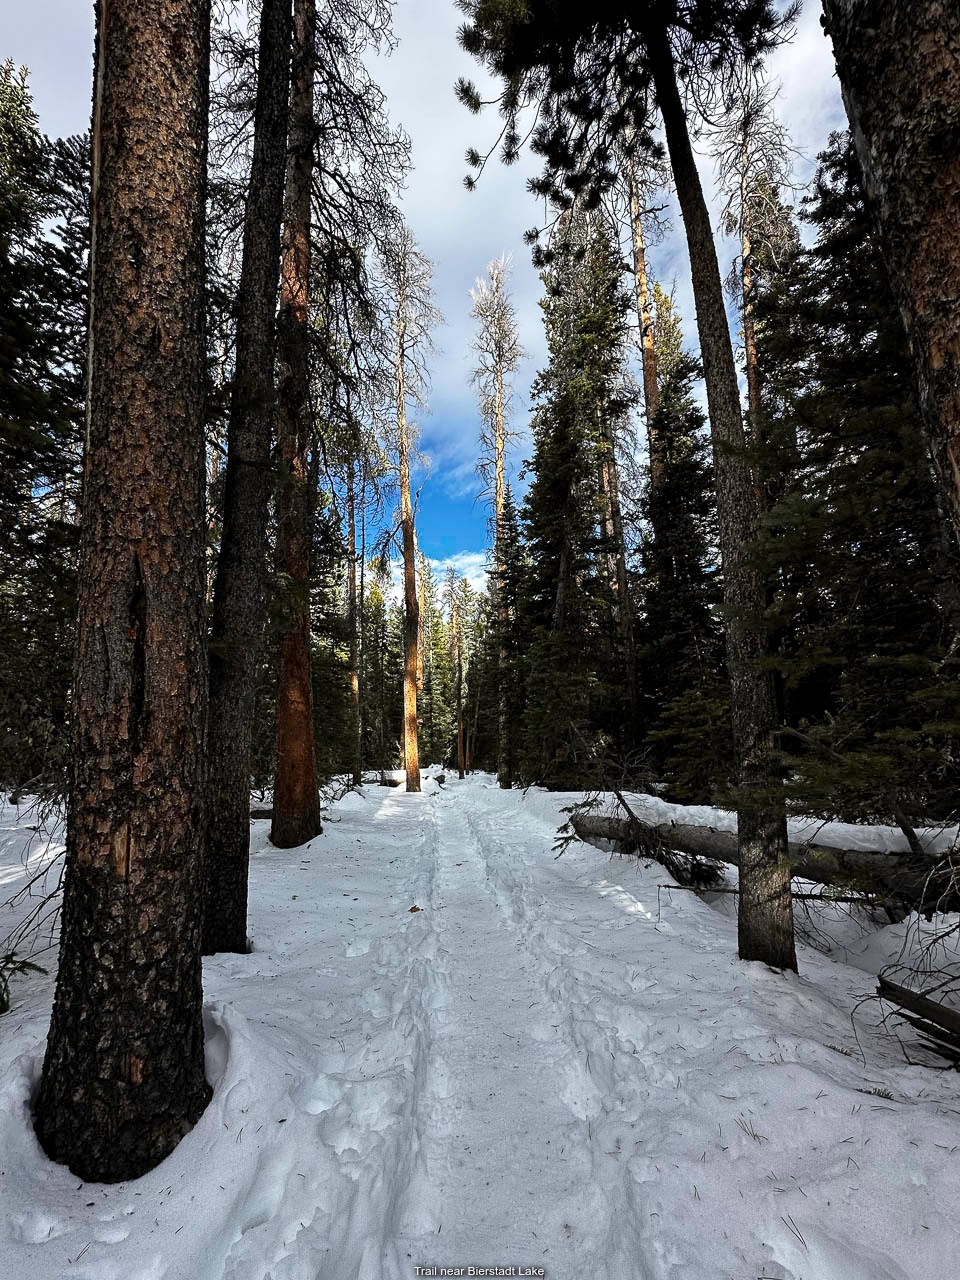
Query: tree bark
[[750, 356], [617, 557], [239, 585], [766, 909], [458, 645], [648, 350], [504, 766], [411, 607], [123, 1077], [353, 624], [296, 801], [899, 71]]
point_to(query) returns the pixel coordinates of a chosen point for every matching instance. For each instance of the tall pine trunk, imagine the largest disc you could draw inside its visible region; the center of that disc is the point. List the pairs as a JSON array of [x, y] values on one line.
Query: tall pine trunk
[[899, 70], [766, 906], [353, 625], [458, 649], [239, 584], [617, 557], [751, 357], [648, 350], [411, 606], [296, 801], [123, 1077], [504, 765]]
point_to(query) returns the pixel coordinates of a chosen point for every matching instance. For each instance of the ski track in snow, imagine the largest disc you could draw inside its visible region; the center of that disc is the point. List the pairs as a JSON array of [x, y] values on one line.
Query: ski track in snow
[[552, 1062]]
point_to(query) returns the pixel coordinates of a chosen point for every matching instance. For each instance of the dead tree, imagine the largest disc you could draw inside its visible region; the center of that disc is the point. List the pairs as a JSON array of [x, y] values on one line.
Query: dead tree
[[498, 350], [408, 274]]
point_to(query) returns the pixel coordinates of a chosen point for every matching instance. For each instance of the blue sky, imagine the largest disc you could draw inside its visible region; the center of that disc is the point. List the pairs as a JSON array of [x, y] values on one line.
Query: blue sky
[[458, 230]]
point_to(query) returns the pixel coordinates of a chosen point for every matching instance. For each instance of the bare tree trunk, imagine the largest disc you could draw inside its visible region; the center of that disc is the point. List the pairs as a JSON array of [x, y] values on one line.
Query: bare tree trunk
[[648, 351], [461, 757], [617, 556], [504, 769], [123, 1076], [296, 802], [353, 623], [899, 71], [411, 607], [766, 908], [421, 614], [751, 359], [239, 585]]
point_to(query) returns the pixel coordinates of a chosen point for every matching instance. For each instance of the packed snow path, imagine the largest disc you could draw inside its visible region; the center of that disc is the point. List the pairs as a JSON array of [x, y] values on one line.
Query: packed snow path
[[497, 1142], [450, 1048]]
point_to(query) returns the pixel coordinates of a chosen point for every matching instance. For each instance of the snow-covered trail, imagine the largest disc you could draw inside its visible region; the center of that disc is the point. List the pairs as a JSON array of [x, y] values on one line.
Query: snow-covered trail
[[503, 1174], [448, 1047]]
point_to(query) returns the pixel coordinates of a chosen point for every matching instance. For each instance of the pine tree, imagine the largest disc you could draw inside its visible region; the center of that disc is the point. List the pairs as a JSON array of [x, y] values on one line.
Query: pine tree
[[296, 802], [680, 654], [509, 634], [899, 73], [123, 1076], [498, 349], [43, 341], [867, 577], [644, 54], [569, 605], [238, 592]]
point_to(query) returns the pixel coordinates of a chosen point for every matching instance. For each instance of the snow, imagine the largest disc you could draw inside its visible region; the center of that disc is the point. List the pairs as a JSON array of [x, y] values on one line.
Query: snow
[[553, 1062]]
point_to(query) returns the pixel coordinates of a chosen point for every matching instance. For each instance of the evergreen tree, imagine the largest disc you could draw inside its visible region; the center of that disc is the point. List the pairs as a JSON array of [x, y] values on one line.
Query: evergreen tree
[[867, 578], [681, 641], [575, 674], [899, 71], [508, 632], [123, 1075], [44, 233]]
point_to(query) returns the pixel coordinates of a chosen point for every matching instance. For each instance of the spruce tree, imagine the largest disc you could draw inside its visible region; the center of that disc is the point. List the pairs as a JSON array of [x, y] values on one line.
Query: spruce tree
[[686, 701], [44, 234], [866, 575], [575, 704]]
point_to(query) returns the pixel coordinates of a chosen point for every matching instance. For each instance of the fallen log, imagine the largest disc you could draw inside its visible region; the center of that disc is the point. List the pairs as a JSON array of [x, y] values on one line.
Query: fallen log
[[903, 877], [933, 1020]]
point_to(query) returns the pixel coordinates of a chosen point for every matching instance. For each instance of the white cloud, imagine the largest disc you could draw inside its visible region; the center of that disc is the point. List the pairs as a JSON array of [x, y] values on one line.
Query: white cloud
[[472, 565]]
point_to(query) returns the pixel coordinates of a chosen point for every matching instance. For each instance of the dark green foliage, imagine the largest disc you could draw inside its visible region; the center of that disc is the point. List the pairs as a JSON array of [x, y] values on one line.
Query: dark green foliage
[[866, 600], [574, 698], [44, 189], [506, 635], [381, 671], [680, 636], [587, 67], [436, 697]]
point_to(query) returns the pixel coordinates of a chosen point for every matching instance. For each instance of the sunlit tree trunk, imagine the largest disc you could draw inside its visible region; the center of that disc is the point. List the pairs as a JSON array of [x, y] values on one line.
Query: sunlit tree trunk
[[750, 355], [617, 555], [648, 350], [238, 592], [899, 69], [766, 906], [353, 624], [458, 649], [123, 1076], [411, 607], [296, 801], [421, 615]]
